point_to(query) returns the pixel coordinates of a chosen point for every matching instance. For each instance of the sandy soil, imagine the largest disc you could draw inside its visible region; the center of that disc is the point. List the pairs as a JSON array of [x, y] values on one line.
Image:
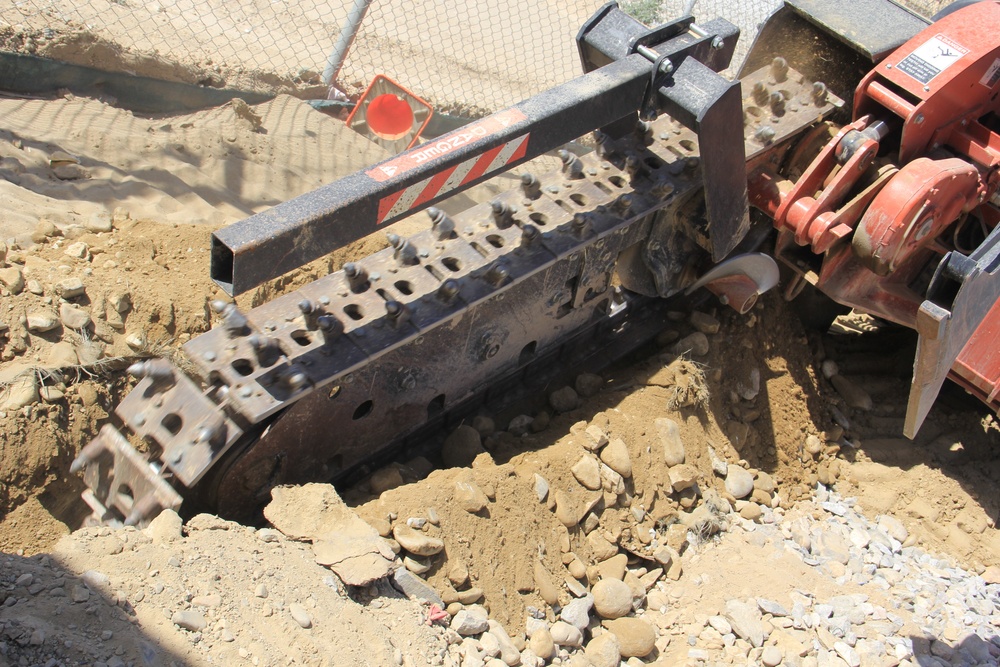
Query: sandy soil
[[96, 195]]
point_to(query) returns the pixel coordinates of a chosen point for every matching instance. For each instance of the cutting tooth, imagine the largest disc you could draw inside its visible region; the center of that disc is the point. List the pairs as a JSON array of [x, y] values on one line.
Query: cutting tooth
[[530, 186], [503, 215], [572, 166], [442, 226]]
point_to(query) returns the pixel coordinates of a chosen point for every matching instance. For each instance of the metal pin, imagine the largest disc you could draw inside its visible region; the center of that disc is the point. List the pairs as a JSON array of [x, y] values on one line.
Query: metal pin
[[266, 349], [330, 327], [503, 215], [765, 135], [779, 69], [644, 132], [581, 225], [623, 204], [442, 226], [296, 379], [819, 93], [157, 370], [404, 253], [632, 165], [396, 312], [529, 235], [530, 186], [448, 291], [234, 322], [357, 277], [497, 275], [572, 166], [310, 313], [761, 93], [777, 103]]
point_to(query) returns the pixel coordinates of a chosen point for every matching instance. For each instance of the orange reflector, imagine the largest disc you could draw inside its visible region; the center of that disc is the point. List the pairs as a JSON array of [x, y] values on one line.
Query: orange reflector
[[390, 115]]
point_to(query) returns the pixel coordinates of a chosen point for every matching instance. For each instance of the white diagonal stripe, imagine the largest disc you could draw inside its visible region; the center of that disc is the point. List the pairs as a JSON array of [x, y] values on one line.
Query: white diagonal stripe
[[504, 155], [456, 177], [406, 200]]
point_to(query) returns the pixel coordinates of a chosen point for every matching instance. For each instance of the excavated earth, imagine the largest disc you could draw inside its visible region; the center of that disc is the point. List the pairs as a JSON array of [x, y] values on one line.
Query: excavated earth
[[737, 493]]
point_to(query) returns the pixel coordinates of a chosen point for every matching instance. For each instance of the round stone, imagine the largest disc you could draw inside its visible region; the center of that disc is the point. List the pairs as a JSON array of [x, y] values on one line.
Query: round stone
[[612, 598], [604, 651], [636, 637]]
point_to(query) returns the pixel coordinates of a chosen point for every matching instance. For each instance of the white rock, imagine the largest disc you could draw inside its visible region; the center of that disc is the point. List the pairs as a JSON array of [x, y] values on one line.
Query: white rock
[[670, 436], [472, 620], [739, 482], [612, 598], [564, 634]]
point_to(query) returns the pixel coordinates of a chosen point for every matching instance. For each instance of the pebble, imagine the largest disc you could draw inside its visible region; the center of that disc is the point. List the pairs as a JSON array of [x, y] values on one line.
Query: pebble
[[260, 591], [12, 279], [70, 288], [771, 656], [670, 437], [190, 620], [683, 476], [604, 651], [695, 344], [564, 400], [384, 479], [739, 482], [469, 497], [415, 541], [636, 637], [588, 384], [813, 445], [462, 447], [612, 598], [595, 438], [541, 488], [542, 644], [746, 621], [73, 317], [564, 634], [587, 471], [42, 320], [470, 621], [78, 250], [62, 355], [616, 457], [577, 612], [300, 615], [853, 395], [543, 583], [509, 653], [704, 322]]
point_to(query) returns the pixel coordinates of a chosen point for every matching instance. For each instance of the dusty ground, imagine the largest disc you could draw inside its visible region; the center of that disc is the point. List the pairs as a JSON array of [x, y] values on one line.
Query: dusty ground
[[116, 212]]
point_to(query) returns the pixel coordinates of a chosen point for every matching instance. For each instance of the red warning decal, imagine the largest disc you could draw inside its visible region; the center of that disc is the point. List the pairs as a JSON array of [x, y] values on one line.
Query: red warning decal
[[442, 146], [448, 179]]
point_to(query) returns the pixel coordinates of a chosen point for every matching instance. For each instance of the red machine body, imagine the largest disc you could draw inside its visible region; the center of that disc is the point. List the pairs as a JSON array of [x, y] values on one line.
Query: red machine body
[[880, 206]]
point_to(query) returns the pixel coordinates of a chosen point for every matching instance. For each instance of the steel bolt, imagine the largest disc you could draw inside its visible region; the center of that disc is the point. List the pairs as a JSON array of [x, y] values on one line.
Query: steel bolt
[[779, 69], [572, 166], [530, 186], [442, 225], [761, 93]]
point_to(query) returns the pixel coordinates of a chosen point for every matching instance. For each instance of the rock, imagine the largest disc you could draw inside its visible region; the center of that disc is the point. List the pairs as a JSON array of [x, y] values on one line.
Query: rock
[[670, 436], [612, 598], [260, 591], [70, 288], [683, 476], [636, 637], [704, 322], [894, 527], [763, 482], [78, 250], [190, 620], [720, 624], [595, 438], [853, 395], [541, 488], [587, 385], [830, 544], [458, 573], [771, 657], [567, 511], [600, 548], [813, 445], [300, 615], [587, 471], [80, 594], [416, 542], [97, 223], [470, 497], [73, 317], [508, 652], [751, 512], [604, 651], [695, 344], [542, 644], [564, 399], [41, 321], [61, 355], [520, 425], [991, 575], [543, 584], [166, 527], [44, 230], [614, 567], [470, 621], [89, 352], [211, 600], [564, 634], [739, 482], [12, 279], [616, 457], [120, 302], [415, 587], [577, 612], [21, 392], [384, 479], [746, 621], [462, 447], [484, 425]]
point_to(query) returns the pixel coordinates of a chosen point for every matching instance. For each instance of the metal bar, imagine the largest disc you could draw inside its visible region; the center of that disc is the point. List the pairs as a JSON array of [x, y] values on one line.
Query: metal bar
[[347, 34], [272, 243]]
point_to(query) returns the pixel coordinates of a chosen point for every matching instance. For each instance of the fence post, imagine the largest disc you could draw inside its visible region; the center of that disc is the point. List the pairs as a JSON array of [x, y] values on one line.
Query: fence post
[[347, 34]]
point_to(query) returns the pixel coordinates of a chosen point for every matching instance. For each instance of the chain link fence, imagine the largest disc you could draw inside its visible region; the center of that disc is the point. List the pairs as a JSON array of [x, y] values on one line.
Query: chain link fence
[[466, 58]]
